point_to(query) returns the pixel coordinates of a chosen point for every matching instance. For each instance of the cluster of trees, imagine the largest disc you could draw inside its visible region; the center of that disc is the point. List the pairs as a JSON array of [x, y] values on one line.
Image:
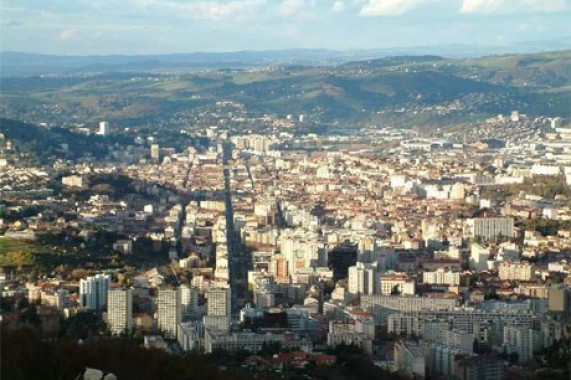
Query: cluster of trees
[[26, 356]]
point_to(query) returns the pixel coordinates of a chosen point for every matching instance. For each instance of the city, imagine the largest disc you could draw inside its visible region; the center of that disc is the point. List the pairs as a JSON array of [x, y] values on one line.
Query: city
[[434, 258], [289, 189]]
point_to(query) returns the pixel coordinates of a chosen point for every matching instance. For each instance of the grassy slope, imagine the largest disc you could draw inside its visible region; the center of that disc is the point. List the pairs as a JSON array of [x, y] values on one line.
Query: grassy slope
[[337, 91]]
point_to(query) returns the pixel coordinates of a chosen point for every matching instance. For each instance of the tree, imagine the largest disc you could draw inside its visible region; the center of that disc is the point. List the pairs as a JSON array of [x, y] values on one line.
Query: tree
[[395, 291]]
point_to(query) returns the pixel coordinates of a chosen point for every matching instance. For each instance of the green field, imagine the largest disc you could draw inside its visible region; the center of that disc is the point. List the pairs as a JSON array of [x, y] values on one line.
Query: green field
[[16, 252]]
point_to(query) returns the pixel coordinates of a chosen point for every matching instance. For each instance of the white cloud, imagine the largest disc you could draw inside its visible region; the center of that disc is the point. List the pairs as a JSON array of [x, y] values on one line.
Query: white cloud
[[217, 10], [338, 6], [388, 7], [67, 34], [290, 8], [513, 6]]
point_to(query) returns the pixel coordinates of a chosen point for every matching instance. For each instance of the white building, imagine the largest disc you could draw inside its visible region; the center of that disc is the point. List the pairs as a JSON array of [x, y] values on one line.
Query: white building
[[398, 282], [513, 271], [479, 257], [218, 308], [104, 128], [441, 277], [362, 278], [93, 291], [520, 341], [188, 302], [355, 332], [168, 311], [409, 357], [72, 181], [490, 228], [120, 311]]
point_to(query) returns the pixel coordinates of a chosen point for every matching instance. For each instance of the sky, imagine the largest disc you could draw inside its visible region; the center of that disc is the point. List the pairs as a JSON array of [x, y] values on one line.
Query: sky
[[101, 27]]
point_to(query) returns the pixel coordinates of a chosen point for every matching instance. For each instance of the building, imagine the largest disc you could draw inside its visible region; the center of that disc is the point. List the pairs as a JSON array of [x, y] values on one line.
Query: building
[[382, 306], [409, 357], [155, 152], [190, 335], [93, 291], [218, 309], [219, 301], [559, 299], [441, 277], [398, 283], [470, 320], [72, 181], [459, 339], [491, 228], [362, 279], [514, 271], [359, 331], [168, 311], [479, 257], [104, 128], [120, 311], [253, 342], [440, 359], [188, 302], [482, 367]]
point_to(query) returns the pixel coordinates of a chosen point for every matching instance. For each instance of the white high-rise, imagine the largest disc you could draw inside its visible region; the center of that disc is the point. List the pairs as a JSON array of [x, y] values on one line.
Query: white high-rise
[[362, 279], [168, 311], [519, 340], [188, 302], [93, 291], [104, 128], [219, 301], [120, 311], [218, 309]]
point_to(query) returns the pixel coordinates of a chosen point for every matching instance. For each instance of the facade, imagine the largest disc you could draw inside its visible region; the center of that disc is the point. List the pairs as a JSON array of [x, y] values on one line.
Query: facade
[[253, 342], [479, 257], [168, 311], [490, 228], [155, 152], [362, 278], [409, 357], [512, 271], [520, 341], [358, 332], [381, 306], [104, 128], [93, 291], [218, 312], [188, 302], [441, 277], [72, 181], [440, 359], [469, 320], [482, 367], [398, 282], [120, 311]]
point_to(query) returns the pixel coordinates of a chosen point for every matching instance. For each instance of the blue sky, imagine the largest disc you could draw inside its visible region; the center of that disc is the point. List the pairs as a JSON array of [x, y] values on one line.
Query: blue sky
[[181, 26]]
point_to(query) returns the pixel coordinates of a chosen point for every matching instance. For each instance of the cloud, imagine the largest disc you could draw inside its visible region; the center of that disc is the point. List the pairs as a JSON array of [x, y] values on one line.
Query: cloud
[[388, 7], [290, 8], [217, 10], [67, 34], [513, 6], [11, 23], [338, 6]]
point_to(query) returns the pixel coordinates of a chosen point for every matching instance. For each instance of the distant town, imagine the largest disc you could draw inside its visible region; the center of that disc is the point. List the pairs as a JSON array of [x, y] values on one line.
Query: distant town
[[432, 254]]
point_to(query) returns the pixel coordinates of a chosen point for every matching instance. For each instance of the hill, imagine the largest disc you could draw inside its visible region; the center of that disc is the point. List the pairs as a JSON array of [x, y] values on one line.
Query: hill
[[42, 143], [538, 84]]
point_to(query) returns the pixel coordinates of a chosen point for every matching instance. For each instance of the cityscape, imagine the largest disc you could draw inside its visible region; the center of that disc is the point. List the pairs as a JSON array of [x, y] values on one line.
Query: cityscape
[[287, 214]]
